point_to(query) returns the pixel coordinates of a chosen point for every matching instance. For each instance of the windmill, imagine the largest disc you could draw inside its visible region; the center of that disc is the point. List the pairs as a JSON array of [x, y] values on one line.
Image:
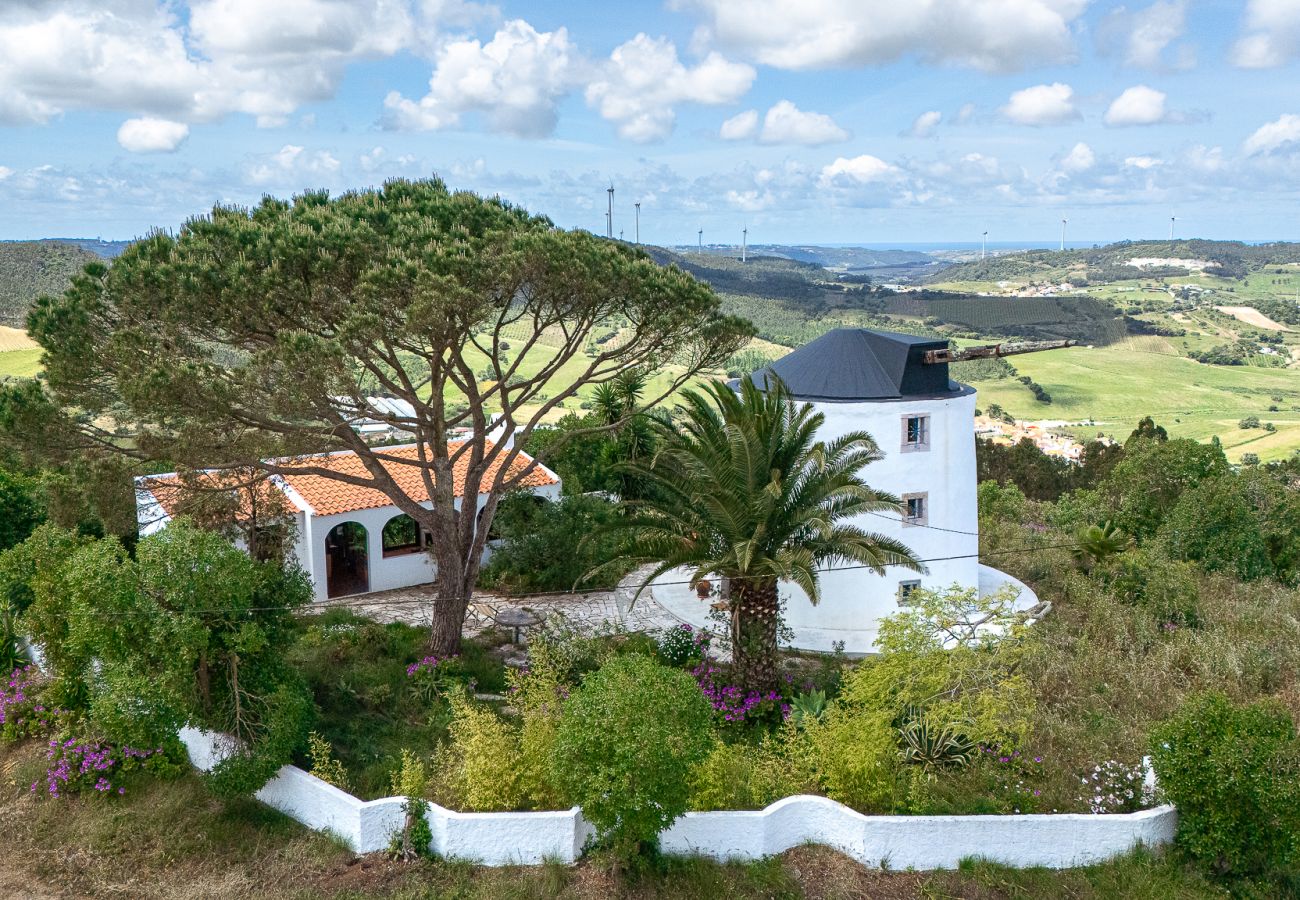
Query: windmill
[[1063, 222], [984, 238], [638, 222], [620, 234], [609, 215], [1172, 219], [744, 242], [700, 237]]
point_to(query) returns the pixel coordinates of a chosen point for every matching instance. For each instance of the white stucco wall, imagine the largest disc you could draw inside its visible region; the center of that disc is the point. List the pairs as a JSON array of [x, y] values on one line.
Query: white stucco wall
[[531, 838]]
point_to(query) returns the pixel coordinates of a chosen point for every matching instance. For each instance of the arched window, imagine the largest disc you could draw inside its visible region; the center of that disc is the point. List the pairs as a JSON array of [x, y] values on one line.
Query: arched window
[[402, 535]]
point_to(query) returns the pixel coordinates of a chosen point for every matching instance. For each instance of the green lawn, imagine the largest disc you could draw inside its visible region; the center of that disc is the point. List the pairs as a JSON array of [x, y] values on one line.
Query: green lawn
[[20, 363], [1116, 386]]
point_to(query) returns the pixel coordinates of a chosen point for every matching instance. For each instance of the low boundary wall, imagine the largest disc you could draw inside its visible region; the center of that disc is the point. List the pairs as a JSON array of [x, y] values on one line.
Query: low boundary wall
[[899, 842]]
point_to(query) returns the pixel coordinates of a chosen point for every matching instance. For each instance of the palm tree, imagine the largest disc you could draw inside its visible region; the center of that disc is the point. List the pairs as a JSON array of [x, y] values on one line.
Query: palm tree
[[746, 491]]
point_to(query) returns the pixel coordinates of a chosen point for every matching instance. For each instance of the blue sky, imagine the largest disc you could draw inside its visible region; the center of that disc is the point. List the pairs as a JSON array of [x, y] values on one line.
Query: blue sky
[[819, 121]]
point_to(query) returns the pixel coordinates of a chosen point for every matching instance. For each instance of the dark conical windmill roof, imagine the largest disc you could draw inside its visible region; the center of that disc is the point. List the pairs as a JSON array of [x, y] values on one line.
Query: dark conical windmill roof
[[850, 364]]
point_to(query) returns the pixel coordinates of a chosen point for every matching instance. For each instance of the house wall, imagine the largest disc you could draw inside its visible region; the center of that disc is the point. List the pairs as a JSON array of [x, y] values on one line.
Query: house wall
[[386, 573], [853, 598]]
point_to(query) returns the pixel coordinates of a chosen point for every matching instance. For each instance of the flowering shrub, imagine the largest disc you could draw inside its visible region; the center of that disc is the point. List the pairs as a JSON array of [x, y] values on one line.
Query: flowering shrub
[[734, 707], [683, 646], [1114, 787], [22, 714], [432, 678], [76, 766], [1018, 780]]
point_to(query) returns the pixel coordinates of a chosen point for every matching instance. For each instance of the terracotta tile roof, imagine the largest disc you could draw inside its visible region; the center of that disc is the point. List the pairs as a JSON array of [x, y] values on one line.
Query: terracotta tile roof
[[329, 497], [177, 495]]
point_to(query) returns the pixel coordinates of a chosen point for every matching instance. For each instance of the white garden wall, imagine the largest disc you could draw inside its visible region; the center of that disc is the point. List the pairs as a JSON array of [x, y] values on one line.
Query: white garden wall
[[530, 838]]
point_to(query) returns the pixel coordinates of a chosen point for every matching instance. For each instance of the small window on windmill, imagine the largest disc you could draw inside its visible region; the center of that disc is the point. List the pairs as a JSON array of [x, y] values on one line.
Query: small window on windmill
[[907, 592], [916, 433], [916, 509]]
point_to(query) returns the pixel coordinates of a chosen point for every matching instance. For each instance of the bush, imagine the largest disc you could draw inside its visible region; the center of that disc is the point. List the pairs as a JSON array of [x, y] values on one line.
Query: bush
[[1215, 524], [484, 758], [683, 646], [625, 745], [751, 776], [1234, 774], [1166, 588], [553, 546]]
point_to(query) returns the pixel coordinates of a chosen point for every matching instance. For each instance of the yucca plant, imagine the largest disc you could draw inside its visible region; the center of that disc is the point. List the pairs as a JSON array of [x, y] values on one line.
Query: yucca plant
[[744, 489]]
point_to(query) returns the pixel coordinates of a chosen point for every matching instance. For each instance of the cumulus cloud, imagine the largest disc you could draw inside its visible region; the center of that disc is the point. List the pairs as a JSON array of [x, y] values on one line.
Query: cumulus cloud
[[1139, 105], [150, 135], [225, 56], [517, 80], [1043, 104], [643, 80], [993, 35], [864, 169], [1079, 159], [1142, 162], [923, 126], [740, 126], [5, 172], [1270, 34], [1142, 36], [291, 164], [1280, 134], [785, 123]]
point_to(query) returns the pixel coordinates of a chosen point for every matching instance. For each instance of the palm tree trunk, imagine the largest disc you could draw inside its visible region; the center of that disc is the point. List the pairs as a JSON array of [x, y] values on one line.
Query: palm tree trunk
[[755, 612]]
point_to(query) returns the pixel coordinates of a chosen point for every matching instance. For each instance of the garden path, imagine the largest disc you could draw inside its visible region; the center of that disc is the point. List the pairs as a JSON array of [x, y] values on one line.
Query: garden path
[[590, 610]]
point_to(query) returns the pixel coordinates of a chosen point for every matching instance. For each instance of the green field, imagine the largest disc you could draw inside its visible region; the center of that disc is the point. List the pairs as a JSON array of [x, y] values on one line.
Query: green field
[[20, 363], [1116, 386]]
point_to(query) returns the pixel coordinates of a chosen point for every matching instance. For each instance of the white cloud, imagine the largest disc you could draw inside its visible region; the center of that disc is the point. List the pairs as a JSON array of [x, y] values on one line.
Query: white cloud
[[1139, 105], [643, 80], [864, 169], [1079, 159], [785, 123], [1142, 162], [994, 35], [965, 114], [150, 135], [291, 164], [5, 172], [223, 56], [1142, 36], [740, 126], [1043, 104], [517, 79], [1283, 133], [1271, 34], [923, 126]]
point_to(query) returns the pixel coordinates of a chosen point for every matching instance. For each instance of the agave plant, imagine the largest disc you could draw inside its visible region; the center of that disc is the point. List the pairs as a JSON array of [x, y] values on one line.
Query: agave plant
[[1098, 543], [808, 707], [13, 655], [935, 748]]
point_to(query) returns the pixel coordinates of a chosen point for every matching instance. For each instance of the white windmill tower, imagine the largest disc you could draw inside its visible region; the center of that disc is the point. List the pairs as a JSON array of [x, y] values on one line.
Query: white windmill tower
[[1063, 223]]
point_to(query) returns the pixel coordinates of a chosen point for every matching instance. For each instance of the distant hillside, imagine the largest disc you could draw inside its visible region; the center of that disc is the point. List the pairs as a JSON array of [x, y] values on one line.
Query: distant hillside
[[1113, 262], [102, 249], [31, 268]]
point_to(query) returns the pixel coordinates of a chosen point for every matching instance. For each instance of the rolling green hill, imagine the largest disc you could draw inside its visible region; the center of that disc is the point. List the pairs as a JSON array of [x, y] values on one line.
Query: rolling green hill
[[31, 268]]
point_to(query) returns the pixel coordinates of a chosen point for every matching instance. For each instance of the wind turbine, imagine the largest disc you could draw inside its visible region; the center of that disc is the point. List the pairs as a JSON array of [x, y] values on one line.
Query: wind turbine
[[620, 234], [1063, 221], [744, 242], [609, 216], [1172, 219], [983, 241], [701, 240], [638, 221]]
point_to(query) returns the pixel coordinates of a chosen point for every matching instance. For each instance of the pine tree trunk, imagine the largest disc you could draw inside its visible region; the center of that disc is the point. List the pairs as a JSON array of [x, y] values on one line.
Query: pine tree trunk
[[449, 604], [755, 612]]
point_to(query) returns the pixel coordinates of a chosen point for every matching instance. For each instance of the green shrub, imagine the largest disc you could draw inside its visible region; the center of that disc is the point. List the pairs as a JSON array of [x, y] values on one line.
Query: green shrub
[[1164, 587], [682, 646], [855, 751], [411, 781], [1234, 774], [625, 745], [323, 764], [552, 546], [753, 775], [1216, 525], [484, 759]]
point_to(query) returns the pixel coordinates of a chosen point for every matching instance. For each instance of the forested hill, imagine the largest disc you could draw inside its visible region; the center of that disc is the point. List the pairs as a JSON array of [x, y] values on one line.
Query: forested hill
[[1113, 262], [31, 268]]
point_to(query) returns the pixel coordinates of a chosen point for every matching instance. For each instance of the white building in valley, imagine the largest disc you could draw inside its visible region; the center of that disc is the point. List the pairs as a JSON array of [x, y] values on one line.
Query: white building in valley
[[348, 539], [924, 423]]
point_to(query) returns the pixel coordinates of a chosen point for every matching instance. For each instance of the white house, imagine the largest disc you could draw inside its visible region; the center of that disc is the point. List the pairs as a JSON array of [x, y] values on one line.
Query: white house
[[349, 539], [924, 423]]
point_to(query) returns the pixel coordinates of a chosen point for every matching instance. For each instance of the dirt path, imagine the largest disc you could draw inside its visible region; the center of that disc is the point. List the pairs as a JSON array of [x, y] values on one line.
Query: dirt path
[[1252, 316]]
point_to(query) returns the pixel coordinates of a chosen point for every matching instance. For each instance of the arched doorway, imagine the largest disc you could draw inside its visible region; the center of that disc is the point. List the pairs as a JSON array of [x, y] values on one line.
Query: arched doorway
[[347, 560]]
